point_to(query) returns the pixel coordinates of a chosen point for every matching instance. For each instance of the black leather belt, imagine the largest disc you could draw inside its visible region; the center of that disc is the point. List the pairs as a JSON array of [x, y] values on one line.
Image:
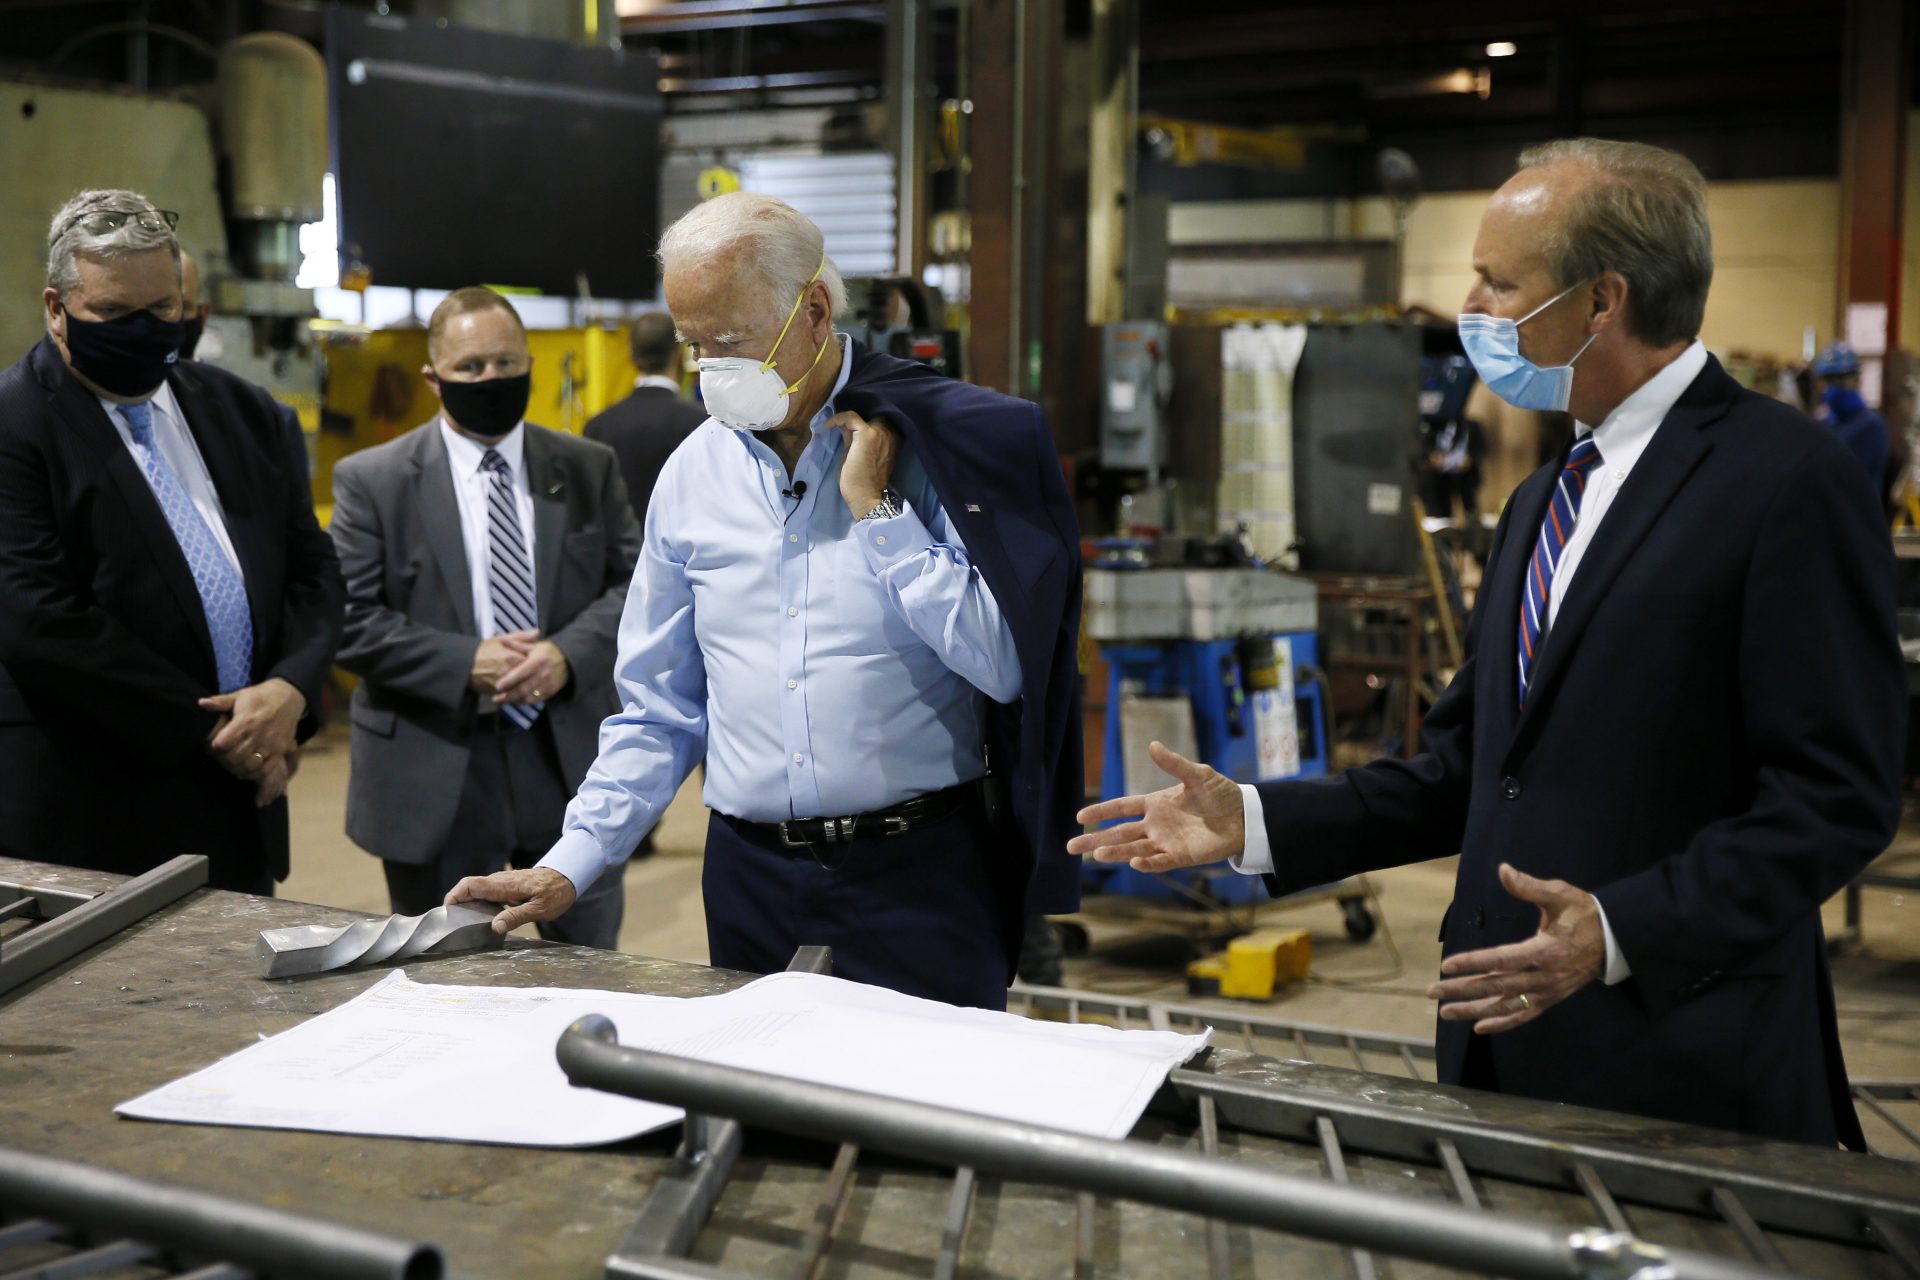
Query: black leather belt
[[802, 833]]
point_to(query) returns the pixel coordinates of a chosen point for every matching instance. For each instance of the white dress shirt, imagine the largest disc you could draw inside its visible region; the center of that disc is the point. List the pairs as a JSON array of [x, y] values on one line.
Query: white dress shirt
[[665, 383], [470, 485], [1621, 439], [177, 447]]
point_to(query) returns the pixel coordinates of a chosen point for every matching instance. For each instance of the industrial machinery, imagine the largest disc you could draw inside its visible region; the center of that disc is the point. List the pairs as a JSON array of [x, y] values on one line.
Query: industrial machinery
[[243, 173], [899, 316], [1212, 655], [1136, 382]]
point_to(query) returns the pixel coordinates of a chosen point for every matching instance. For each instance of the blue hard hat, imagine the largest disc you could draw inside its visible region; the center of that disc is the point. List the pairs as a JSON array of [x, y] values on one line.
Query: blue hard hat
[[1837, 361]]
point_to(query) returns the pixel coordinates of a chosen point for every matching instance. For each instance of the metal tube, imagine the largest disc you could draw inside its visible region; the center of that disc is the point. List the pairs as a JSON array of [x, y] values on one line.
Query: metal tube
[[1457, 1173], [1219, 1256], [819, 1237], [54, 943], [954, 1237], [677, 1208], [1363, 1267], [121, 1255], [1728, 1206], [269, 1241], [1587, 1178], [1083, 1236], [1421, 1230]]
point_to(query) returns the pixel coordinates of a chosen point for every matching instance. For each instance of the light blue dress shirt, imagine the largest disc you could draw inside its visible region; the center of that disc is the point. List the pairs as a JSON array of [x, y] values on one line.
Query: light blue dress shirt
[[823, 665]]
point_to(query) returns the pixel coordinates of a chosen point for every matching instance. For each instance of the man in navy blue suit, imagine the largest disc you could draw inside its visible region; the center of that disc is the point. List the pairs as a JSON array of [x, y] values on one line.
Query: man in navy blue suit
[[1678, 728], [858, 601]]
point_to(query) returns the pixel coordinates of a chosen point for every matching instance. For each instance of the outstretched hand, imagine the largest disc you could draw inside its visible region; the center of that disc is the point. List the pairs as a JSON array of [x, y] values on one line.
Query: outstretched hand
[[1200, 820]]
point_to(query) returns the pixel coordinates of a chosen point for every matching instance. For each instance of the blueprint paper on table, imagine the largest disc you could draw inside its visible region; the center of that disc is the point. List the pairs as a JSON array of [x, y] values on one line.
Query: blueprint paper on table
[[476, 1064]]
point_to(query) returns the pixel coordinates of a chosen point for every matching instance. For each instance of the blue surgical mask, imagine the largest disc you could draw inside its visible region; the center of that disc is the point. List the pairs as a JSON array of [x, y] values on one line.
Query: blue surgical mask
[[1493, 345]]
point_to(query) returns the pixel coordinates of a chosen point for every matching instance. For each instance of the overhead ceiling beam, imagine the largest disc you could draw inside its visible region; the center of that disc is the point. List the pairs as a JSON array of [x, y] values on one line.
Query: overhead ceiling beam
[[707, 15]]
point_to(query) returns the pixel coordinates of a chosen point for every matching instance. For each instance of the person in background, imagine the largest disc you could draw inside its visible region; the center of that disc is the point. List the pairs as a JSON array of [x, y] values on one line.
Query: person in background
[[646, 427], [169, 607], [1844, 412], [486, 559]]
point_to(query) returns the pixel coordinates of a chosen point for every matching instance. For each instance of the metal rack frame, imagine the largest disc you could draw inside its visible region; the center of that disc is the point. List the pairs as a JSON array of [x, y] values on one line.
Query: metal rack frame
[[1377, 1051], [112, 1222], [1335, 1210], [1243, 1093], [73, 921]]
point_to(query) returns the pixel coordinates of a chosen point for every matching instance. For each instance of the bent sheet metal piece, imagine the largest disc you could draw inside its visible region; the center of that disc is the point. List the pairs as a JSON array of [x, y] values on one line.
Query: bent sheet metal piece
[[312, 948]]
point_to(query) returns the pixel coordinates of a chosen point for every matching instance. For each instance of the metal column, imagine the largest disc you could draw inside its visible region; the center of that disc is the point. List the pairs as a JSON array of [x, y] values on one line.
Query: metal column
[[910, 96], [1873, 153]]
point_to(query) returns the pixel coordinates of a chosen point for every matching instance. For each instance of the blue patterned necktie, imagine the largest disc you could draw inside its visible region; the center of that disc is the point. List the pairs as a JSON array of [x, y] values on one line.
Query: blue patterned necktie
[[223, 593], [1555, 530], [509, 571]]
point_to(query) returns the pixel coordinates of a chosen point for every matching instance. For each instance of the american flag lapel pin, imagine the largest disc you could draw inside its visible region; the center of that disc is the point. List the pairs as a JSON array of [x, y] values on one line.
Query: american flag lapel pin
[[974, 507]]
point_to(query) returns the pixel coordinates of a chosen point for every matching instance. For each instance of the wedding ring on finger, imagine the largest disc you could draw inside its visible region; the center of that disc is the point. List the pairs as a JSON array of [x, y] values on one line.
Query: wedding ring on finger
[[1525, 1001]]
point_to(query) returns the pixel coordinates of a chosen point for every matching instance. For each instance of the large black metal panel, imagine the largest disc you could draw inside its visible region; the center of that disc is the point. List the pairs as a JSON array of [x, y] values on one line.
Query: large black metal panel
[[1356, 405], [466, 157]]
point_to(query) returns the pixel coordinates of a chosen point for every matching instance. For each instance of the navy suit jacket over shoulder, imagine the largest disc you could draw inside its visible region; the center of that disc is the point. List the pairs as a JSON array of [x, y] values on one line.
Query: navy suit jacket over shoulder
[[1710, 746], [990, 457]]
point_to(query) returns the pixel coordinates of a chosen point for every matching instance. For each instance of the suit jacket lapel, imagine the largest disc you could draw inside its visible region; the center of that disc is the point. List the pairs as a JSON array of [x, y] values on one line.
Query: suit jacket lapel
[[218, 449], [1670, 458], [439, 512], [88, 425], [547, 477]]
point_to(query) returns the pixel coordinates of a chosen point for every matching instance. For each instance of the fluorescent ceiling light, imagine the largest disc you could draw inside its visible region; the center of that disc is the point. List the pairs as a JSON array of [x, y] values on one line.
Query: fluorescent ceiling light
[[1502, 49]]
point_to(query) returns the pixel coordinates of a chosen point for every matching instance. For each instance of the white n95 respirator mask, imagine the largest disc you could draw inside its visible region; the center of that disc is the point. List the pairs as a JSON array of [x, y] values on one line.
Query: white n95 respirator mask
[[747, 394]]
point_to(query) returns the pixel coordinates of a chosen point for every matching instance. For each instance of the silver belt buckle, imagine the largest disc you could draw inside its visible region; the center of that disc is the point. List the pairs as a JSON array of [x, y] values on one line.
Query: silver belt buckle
[[833, 831]]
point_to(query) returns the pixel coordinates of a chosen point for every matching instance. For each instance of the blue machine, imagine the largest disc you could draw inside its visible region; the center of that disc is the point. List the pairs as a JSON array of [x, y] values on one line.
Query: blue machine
[[1227, 717]]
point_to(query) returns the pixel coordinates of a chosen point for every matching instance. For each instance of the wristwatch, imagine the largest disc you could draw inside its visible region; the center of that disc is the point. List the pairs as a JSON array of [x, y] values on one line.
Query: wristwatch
[[888, 507]]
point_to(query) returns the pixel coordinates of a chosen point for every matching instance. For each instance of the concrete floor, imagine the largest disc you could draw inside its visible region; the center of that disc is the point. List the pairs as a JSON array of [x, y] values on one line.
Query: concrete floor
[[1375, 986]]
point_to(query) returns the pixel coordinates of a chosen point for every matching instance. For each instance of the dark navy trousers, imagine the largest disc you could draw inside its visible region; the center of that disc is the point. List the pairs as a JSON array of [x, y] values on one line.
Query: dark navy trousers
[[928, 913]]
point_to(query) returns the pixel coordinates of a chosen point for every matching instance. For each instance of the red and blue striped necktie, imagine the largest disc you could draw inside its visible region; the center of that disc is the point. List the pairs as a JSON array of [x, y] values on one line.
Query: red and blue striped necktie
[[1555, 531]]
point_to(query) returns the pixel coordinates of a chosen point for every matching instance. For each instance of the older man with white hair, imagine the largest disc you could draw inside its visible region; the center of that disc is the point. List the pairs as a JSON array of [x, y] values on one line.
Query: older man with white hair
[[168, 605], [1678, 728], [858, 601]]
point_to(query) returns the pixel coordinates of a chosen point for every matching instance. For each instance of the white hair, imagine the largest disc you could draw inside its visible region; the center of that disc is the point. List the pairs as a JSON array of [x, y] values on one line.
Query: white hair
[[68, 240], [786, 247]]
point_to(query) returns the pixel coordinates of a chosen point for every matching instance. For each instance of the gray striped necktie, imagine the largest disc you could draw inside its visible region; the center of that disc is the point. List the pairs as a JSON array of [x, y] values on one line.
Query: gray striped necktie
[[509, 568]]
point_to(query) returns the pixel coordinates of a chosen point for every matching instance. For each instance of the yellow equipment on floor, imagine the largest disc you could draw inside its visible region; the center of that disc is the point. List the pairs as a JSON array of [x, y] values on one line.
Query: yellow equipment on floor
[[1252, 967]]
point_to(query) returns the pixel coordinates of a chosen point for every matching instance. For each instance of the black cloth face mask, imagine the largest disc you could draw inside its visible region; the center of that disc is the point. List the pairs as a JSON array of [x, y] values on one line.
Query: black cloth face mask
[[128, 356], [190, 339], [489, 409]]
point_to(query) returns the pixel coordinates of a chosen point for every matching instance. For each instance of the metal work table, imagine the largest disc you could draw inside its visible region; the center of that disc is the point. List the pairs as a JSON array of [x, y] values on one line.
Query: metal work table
[[178, 990]]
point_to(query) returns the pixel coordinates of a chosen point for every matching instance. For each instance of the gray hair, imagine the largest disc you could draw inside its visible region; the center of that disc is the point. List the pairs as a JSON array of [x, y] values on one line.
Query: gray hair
[[787, 248], [68, 240], [1644, 217]]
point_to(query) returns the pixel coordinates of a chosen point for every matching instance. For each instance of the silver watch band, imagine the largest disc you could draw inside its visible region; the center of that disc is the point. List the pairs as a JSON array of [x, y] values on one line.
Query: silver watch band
[[887, 508]]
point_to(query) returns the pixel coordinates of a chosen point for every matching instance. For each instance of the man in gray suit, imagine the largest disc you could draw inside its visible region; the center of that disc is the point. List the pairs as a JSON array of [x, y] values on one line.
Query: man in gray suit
[[487, 562]]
